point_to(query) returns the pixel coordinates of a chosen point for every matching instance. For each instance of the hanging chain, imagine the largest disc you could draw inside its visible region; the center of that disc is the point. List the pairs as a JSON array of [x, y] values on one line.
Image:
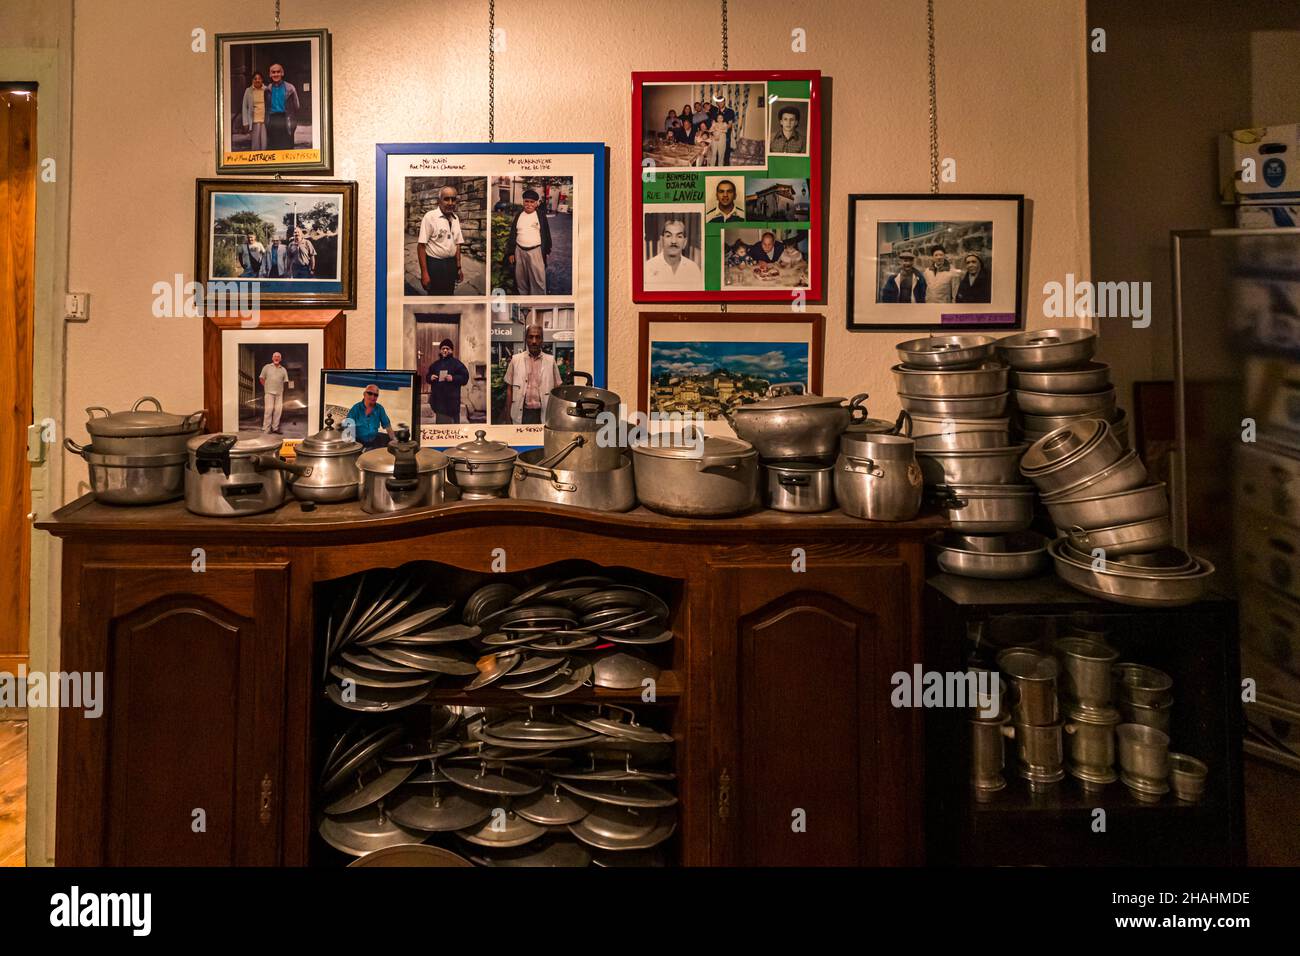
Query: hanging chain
[[723, 306], [277, 14], [934, 104], [492, 71]]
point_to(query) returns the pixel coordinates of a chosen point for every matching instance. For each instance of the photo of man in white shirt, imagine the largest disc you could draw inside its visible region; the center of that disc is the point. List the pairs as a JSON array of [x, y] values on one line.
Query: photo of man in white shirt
[[273, 379], [676, 264]]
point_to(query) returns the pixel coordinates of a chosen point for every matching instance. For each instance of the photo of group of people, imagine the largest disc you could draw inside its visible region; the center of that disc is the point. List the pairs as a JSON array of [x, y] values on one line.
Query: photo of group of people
[[934, 262], [274, 236], [728, 200]]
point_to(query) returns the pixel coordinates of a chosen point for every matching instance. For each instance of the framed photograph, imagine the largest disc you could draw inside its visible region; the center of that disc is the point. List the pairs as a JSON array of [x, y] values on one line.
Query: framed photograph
[[273, 102], [377, 401], [490, 279], [729, 203], [927, 261], [276, 244], [697, 364], [264, 375]]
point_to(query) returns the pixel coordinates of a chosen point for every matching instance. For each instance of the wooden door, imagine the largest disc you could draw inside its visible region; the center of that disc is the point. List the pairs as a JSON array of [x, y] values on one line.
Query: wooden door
[[184, 766], [17, 277], [812, 765]]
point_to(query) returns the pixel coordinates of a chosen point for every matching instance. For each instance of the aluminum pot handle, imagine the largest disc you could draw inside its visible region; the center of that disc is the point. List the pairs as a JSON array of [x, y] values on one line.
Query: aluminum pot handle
[[1080, 533], [401, 484], [195, 420], [91, 409], [271, 463], [524, 469], [858, 407], [73, 447], [851, 464], [903, 426], [717, 461], [784, 388], [793, 481], [952, 501], [586, 375], [157, 405], [559, 456], [579, 409]]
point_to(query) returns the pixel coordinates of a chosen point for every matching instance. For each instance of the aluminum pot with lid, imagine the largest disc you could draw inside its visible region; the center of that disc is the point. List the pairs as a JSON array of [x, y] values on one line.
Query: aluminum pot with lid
[[481, 468], [946, 351], [860, 423], [988, 378], [235, 475], [401, 475], [582, 411], [1048, 348], [613, 490], [801, 486], [972, 466], [711, 477], [141, 432], [988, 508], [333, 458], [877, 477], [1068, 455], [786, 427]]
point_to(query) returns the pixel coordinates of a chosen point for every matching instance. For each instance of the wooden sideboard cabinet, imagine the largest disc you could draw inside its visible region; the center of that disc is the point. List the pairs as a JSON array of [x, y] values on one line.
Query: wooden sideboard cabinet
[[787, 630]]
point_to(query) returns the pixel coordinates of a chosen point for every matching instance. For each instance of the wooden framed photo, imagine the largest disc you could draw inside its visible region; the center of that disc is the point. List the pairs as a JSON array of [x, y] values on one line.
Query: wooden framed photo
[[376, 400], [726, 197], [275, 244], [490, 268], [274, 102], [699, 365], [264, 374], [935, 261]]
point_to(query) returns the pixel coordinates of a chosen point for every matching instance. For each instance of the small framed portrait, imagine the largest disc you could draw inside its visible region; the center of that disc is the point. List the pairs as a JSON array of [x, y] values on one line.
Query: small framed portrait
[[445, 242], [274, 103], [741, 147], [375, 401], [449, 347], [673, 253], [533, 218], [264, 375], [275, 243], [765, 257], [929, 261], [697, 366]]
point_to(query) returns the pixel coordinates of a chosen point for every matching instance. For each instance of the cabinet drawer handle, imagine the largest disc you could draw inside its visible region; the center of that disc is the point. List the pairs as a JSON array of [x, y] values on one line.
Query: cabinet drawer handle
[[724, 794], [264, 806]]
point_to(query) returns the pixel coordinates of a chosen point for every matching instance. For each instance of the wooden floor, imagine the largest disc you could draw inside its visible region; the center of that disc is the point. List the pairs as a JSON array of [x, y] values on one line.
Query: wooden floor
[[13, 792]]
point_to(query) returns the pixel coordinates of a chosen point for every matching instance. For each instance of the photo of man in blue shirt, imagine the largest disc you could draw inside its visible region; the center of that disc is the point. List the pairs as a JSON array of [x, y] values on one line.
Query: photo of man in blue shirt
[[367, 417]]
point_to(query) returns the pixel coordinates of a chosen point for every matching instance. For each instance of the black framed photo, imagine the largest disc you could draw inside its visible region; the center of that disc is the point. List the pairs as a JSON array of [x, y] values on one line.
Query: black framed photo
[[935, 261], [375, 401], [274, 102], [276, 244]]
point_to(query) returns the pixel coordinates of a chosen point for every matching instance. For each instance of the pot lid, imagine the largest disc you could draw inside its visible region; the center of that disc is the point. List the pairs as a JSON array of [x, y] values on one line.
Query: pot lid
[[379, 461], [330, 440], [481, 450], [796, 467], [140, 423], [1064, 444], [886, 446], [245, 443], [791, 401], [713, 446]]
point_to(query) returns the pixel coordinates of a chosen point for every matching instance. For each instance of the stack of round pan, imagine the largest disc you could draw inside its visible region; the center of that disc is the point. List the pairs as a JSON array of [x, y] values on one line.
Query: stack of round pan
[[1054, 381], [956, 393], [1114, 523]]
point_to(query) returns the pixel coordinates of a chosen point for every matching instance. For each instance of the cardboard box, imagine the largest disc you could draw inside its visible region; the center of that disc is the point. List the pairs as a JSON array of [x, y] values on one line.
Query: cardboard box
[[1268, 217], [1260, 165]]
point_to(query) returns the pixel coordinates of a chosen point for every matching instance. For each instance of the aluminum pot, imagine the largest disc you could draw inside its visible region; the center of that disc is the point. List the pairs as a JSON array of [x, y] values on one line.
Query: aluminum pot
[[1126, 588], [1048, 348], [235, 475], [1041, 755], [132, 480], [583, 411], [1148, 715], [716, 477], [1144, 760], [946, 432], [141, 432], [973, 466], [333, 459], [1033, 677], [1118, 507], [877, 477], [1068, 455], [799, 486], [946, 351], [988, 753], [1126, 473], [792, 427], [861, 424], [1091, 735], [1136, 538], [999, 557], [987, 508], [1187, 777], [989, 378], [480, 468], [1087, 665], [595, 490], [1044, 424], [401, 475], [1100, 403], [987, 406], [1088, 377], [1142, 684]]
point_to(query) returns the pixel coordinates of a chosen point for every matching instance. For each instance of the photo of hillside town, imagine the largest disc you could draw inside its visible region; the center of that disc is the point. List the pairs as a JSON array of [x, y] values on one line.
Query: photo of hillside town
[[709, 377]]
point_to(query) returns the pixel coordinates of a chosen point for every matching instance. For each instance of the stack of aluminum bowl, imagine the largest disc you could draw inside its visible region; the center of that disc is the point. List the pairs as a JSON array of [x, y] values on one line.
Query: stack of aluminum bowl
[[1114, 524], [956, 394], [1054, 382]]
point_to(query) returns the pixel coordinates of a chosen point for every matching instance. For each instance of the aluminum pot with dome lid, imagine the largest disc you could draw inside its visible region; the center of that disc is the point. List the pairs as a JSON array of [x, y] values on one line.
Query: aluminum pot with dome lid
[[401, 475], [480, 468], [234, 475], [694, 475], [141, 432], [793, 426], [333, 458]]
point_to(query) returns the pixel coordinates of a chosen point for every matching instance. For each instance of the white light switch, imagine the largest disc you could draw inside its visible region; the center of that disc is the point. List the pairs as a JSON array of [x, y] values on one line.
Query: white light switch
[[76, 306]]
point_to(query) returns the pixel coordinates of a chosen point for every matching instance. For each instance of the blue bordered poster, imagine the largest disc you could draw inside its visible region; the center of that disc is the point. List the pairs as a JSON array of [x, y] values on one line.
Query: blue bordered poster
[[490, 279]]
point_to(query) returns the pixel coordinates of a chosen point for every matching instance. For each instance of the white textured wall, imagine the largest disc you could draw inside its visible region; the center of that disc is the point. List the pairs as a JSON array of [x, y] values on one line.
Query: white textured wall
[[1011, 95]]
